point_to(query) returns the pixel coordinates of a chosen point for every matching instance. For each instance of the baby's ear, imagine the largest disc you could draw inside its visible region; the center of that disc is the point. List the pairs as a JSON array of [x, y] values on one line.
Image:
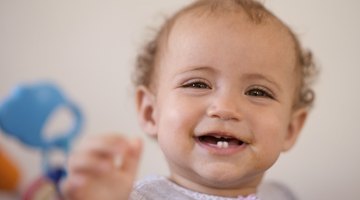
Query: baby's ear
[[298, 119], [145, 103]]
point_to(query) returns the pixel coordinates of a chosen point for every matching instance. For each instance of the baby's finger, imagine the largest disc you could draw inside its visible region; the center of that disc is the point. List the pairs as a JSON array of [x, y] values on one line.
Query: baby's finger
[[97, 154], [89, 163], [132, 156], [99, 143], [73, 187]]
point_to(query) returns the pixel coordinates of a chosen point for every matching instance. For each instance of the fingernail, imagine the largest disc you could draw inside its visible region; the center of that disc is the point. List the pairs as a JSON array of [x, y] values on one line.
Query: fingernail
[[117, 161]]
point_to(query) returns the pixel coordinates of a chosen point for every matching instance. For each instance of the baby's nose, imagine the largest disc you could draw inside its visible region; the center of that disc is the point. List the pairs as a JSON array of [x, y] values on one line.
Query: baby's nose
[[225, 106]]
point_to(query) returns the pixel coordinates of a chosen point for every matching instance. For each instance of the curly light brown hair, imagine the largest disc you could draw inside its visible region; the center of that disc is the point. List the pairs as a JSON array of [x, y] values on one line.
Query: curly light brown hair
[[256, 12]]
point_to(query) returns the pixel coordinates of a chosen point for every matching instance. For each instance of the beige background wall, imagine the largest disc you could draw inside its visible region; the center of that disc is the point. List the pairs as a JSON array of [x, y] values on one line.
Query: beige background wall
[[88, 48]]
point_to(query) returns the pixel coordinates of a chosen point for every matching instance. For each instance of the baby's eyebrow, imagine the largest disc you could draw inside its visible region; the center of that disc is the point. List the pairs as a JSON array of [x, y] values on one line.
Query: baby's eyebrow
[[256, 76], [192, 69], [197, 68]]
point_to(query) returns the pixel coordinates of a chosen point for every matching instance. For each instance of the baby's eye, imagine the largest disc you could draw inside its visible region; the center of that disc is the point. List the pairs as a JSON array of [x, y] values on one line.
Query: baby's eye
[[258, 92], [196, 85]]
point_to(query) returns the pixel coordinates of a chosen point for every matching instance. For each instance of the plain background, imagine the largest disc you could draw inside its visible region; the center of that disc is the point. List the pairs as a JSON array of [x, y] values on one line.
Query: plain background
[[88, 48]]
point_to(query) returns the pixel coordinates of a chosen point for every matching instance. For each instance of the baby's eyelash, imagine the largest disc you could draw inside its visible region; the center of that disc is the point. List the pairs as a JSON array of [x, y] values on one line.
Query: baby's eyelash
[[197, 84], [259, 92]]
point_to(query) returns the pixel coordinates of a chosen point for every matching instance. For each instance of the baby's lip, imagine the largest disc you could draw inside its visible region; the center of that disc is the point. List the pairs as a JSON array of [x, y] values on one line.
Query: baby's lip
[[220, 135]]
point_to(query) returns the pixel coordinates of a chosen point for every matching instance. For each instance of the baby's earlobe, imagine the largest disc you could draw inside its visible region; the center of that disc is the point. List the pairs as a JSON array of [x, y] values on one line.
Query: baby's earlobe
[[295, 126], [145, 102]]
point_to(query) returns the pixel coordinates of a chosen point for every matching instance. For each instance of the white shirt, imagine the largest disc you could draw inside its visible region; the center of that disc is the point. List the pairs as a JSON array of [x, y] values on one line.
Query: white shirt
[[161, 188]]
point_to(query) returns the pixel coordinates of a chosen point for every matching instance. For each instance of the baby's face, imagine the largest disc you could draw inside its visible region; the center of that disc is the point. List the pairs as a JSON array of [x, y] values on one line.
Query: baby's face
[[223, 102]]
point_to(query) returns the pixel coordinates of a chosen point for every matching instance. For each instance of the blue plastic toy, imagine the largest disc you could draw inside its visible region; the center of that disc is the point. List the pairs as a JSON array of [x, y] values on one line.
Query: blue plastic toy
[[24, 115]]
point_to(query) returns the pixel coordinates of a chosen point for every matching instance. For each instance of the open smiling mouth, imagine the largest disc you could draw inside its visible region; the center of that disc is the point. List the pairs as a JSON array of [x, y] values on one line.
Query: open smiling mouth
[[221, 142]]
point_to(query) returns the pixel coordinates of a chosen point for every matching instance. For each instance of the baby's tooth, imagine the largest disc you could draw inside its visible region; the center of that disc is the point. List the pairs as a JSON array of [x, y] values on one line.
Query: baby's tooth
[[222, 144]]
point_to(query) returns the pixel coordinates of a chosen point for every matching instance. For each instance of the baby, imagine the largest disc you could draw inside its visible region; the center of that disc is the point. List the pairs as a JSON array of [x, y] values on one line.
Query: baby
[[223, 88]]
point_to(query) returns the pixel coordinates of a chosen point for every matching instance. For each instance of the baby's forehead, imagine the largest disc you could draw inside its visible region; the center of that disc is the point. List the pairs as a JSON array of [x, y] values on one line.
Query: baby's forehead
[[191, 24], [233, 15], [206, 40]]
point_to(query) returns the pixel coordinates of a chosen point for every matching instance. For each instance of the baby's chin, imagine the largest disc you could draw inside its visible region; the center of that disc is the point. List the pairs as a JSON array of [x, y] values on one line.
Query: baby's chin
[[225, 176]]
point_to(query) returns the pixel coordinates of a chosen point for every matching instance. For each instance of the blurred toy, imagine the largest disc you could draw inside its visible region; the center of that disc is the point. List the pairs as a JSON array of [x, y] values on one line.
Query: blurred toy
[[9, 173], [24, 114]]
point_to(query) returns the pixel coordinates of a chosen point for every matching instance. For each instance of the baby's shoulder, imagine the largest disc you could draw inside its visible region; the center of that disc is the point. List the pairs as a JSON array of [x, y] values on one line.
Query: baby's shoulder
[[275, 191]]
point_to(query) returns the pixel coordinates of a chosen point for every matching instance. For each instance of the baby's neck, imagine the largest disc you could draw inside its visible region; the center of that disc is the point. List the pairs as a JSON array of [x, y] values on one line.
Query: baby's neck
[[216, 190]]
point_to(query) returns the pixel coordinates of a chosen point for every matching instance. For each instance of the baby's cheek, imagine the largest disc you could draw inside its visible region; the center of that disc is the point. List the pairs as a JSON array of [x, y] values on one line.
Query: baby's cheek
[[270, 135], [172, 120]]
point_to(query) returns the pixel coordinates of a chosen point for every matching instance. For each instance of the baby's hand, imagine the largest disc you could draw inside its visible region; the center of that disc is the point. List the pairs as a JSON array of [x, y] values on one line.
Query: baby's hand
[[102, 167]]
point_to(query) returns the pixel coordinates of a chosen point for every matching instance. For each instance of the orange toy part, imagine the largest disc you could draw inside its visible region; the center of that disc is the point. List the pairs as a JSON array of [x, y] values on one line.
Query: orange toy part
[[9, 173]]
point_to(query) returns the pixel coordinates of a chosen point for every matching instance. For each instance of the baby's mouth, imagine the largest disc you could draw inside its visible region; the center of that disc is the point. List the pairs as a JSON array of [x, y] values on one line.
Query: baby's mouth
[[220, 141]]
